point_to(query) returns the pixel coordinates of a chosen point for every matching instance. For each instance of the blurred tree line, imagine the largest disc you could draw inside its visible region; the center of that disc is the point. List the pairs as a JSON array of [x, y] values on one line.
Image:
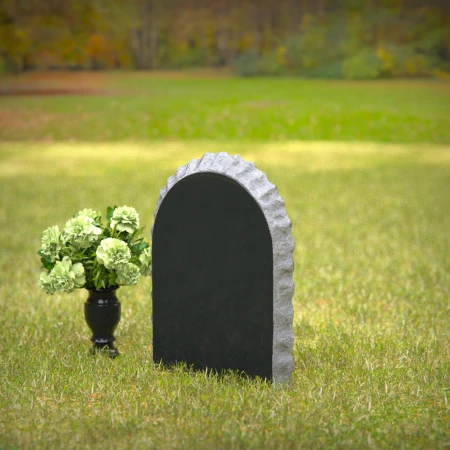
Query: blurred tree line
[[356, 39]]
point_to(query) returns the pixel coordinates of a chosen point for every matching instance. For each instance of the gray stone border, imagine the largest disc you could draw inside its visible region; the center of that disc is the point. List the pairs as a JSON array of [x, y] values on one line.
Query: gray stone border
[[272, 205]]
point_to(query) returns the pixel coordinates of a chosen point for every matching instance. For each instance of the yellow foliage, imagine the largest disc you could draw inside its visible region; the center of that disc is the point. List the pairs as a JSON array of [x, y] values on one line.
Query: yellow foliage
[[107, 51], [124, 57], [308, 62], [246, 42], [442, 74], [281, 55], [415, 65], [96, 45], [387, 60], [16, 40]]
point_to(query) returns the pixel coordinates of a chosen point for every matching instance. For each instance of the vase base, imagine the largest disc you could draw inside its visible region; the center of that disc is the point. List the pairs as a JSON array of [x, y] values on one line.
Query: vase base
[[108, 349]]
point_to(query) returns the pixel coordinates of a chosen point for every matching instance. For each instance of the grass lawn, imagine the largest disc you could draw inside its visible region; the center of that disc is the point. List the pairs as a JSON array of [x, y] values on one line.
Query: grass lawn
[[371, 222], [142, 107]]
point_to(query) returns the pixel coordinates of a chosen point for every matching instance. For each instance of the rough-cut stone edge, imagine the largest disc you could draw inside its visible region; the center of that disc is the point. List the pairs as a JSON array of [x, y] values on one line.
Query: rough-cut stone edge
[[272, 206]]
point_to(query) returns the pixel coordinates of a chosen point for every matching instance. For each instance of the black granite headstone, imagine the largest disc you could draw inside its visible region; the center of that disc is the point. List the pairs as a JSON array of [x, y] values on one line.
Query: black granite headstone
[[222, 270], [212, 278]]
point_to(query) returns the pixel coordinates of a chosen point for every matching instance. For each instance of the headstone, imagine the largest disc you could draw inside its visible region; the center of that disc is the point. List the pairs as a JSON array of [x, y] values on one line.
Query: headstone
[[222, 270]]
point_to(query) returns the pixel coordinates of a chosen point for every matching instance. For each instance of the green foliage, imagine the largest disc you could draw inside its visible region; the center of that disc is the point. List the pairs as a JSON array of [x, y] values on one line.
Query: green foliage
[[434, 43], [313, 42], [46, 261], [357, 45], [308, 50], [365, 65], [405, 61], [251, 64], [109, 213], [269, 64], [358, 35], [247, 64], [331, 71], [293, 55], [186, 57]]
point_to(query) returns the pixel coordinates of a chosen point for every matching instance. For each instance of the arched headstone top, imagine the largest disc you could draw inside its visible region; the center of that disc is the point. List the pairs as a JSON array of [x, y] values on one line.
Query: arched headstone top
[[272, 206]]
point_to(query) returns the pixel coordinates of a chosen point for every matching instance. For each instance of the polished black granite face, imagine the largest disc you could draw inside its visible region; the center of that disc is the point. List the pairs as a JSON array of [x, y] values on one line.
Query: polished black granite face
[[212, 278]]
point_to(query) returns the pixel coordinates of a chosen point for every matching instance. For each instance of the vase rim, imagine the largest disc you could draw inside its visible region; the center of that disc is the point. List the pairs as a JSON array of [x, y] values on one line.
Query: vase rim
[[110, 289]]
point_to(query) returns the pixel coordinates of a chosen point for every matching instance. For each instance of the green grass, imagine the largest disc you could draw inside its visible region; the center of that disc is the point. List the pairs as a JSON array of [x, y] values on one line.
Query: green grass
[[371, 225], [143, 107]]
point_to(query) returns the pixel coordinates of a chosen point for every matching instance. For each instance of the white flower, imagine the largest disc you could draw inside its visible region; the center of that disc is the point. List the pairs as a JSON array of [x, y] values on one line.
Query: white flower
[[112, 253], [50, 243], [95, 215], [64, 277], [127, 274], [125, 218], [46, 283], [81, 231]]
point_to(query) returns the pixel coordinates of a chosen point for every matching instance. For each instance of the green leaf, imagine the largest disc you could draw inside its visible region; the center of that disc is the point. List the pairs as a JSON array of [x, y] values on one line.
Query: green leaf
[[109, 213], [47, 263], [112, 279], [135, 260], [139, 246]]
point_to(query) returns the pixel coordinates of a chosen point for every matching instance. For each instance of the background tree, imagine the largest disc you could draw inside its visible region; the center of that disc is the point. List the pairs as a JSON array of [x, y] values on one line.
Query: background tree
[[352, 38]]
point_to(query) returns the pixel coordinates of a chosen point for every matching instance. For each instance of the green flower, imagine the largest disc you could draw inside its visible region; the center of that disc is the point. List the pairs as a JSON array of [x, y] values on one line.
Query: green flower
[[112, 253], [46, 283], [50, 243], [95, 215], [127, 274], [145, 259], [125, 218], [81, 231], [64, 277]]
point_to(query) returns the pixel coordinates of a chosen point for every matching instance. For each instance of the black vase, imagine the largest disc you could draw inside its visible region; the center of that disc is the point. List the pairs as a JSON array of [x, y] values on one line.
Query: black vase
[[102, 314]]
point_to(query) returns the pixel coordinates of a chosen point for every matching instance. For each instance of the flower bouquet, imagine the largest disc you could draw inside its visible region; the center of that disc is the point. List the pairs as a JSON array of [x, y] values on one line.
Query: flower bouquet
[[87, 254]]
